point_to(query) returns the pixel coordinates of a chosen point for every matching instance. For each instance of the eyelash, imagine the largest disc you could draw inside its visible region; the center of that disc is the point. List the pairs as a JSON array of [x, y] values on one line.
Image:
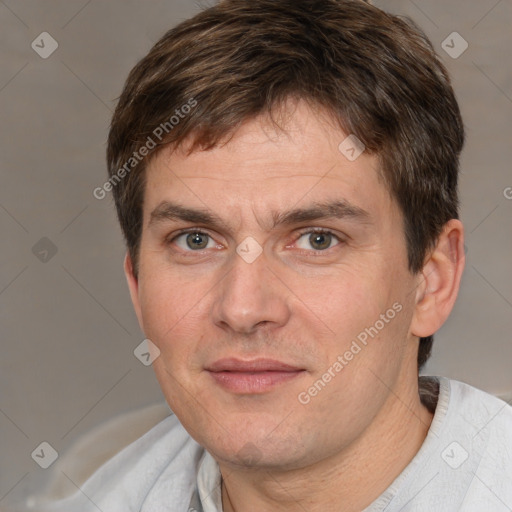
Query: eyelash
[[320, 231], [300, 235]]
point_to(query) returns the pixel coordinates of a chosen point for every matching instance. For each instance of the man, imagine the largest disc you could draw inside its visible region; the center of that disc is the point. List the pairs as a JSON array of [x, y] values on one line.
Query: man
[[285, 175]]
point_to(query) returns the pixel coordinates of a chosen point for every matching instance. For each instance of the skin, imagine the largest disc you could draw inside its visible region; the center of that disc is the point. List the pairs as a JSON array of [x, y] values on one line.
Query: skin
[[296, 304]]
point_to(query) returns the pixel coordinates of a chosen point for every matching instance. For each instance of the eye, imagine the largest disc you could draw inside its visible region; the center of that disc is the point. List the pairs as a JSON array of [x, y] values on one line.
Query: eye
[[193, 241], [319, 239]]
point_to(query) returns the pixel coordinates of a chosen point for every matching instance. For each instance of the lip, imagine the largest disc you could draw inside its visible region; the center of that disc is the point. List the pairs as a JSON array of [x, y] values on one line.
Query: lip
[[252, 377], [232, 364]]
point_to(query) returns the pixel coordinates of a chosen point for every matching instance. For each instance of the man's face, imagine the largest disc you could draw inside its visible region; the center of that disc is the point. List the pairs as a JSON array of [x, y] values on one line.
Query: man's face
[[249, 342]]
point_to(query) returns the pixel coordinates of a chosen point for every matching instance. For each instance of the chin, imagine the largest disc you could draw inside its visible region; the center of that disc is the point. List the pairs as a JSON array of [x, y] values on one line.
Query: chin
[[250, 448]]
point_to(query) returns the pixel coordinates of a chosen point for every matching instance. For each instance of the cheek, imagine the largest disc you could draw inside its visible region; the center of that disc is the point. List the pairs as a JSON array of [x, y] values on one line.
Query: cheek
[[346, 301], [170, 314], [367, 318], [165, 294]]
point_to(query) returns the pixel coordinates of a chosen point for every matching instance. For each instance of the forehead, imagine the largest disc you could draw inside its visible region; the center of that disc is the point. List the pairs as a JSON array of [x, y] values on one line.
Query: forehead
[[266, 169]]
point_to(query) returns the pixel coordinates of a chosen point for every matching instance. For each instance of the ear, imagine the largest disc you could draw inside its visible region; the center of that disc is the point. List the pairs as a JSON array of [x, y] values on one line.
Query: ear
[[133, 285], [439, 281]]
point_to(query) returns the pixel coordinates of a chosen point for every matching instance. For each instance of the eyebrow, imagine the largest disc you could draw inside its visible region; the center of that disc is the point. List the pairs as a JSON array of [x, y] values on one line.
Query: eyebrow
[[338, 209]]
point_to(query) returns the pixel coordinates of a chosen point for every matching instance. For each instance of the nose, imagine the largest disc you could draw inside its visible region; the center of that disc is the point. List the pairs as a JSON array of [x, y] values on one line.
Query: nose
[[250, 296]]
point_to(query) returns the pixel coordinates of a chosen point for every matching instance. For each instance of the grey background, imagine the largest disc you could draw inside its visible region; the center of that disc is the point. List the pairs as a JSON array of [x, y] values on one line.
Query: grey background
[[67, 327]]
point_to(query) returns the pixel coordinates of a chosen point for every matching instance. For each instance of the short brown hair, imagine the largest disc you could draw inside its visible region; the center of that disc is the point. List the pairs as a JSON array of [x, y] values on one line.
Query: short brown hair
[[375, 73]]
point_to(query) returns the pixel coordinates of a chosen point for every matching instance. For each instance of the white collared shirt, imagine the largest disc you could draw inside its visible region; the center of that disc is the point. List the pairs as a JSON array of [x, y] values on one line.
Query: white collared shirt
[[464, 464]]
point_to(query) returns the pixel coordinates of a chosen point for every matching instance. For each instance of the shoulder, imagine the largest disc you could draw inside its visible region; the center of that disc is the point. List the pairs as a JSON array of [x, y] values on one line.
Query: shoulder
[[481, 410], [118, 464], [465, 462], [481, 426]]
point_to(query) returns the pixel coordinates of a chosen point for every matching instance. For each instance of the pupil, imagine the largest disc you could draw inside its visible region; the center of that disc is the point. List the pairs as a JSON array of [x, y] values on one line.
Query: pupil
[[320, 240]]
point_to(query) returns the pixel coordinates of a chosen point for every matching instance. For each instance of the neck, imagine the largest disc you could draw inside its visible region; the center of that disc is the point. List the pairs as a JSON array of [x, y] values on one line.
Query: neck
[[349, 480]]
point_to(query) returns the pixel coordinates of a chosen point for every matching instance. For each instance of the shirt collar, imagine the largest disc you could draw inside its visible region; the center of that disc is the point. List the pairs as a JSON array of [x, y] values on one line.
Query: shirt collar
[[209, 485]]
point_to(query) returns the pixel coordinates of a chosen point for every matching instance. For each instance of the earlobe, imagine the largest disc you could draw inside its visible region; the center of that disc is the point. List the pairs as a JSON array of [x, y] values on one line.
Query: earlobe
[[439, 281], [133, 285]]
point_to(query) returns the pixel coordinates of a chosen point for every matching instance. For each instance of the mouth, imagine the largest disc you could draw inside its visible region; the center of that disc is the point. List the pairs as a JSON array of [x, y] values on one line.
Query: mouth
[[252, 377]]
